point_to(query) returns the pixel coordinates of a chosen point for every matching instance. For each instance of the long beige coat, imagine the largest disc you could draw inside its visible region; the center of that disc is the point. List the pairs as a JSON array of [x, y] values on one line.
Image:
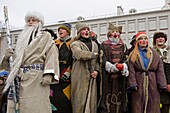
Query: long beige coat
[[34, 97], [83, 86]]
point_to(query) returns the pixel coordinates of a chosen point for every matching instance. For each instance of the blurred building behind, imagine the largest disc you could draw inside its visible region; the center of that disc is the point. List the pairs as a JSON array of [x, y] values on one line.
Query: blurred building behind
[[132, 22]]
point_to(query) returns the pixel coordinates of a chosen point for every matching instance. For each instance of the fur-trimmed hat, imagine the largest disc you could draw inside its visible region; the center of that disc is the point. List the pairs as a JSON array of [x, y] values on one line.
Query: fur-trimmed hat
[[158, 35], [140, 34], [66, 26], [35, 15], [112, 27], [79, 26]]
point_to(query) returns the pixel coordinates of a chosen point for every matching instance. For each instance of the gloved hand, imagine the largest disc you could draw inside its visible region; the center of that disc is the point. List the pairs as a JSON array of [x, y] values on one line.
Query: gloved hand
[[65, 77], [113, 68], [47, 79], [125, 71], [9, 52]]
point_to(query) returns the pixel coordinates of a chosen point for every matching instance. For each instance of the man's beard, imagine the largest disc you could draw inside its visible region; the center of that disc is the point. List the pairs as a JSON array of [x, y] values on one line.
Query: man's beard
[[26, 34]]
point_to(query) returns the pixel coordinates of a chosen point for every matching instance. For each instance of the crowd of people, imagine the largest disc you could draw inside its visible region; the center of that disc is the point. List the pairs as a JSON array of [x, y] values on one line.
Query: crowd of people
[[64, 74]]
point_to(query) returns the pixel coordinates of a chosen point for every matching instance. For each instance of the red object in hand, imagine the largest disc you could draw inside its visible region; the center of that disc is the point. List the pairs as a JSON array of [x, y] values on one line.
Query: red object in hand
[[119, 66]]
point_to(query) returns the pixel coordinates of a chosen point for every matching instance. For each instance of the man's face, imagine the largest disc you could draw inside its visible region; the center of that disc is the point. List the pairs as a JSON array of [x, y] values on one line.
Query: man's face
[[160, 41], [85, 32], [62, 33], [114, 34], [32, 21], [143, 42]]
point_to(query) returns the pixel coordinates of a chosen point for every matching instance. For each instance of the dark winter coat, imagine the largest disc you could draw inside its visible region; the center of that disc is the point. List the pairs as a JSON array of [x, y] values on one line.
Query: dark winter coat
[[149, 82]]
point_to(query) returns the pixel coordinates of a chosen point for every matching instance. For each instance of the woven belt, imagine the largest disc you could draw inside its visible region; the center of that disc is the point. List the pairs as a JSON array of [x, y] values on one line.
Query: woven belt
[[26, 68]]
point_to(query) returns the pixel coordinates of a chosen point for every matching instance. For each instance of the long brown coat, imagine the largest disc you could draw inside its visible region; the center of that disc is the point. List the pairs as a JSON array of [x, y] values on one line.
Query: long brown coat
[[149, 82], [164, 53], [34, 97], [83, 87]]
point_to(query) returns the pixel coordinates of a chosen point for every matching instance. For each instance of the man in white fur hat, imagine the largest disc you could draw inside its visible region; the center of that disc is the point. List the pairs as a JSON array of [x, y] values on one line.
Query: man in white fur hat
[[34, 68]]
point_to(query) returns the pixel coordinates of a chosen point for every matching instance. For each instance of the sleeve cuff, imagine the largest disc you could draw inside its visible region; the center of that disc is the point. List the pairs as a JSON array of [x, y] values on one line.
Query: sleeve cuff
[[47, 71], [56, 77], [108, 66], [51, 71]]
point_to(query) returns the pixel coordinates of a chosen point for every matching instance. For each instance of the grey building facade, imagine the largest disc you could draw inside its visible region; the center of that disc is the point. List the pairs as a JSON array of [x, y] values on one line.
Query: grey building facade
[[133, 22]]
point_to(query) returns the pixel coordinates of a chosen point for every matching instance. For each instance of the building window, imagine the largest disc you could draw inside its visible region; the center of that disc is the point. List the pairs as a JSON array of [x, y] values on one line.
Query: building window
[[114, 23], [94, 29], [141, 25], [163, 23], [102, 38], [131, 26], [123, 37], [123, 25], [103, 29], [152, 24]]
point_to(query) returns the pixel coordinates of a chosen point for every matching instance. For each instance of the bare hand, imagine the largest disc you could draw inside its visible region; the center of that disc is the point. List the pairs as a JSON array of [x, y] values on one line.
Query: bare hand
[[46, 80], [94, 74], [9, 52], [168, 87]]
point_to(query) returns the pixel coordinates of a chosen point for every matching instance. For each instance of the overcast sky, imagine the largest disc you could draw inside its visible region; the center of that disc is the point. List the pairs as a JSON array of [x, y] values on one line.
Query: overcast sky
[[56, 10]]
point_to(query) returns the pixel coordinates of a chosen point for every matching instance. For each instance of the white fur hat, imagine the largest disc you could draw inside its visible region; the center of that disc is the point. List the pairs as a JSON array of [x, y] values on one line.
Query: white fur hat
[[35, 15]]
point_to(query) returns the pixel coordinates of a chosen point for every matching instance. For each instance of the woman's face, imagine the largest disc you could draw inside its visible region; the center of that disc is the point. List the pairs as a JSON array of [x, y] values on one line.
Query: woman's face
[[143, 42], [85, 32], [32, 21]]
